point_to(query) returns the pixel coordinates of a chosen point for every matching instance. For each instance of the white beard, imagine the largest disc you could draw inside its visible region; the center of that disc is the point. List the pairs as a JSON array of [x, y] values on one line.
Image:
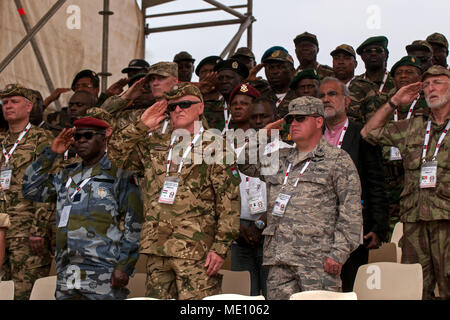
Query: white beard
[[442, 101]]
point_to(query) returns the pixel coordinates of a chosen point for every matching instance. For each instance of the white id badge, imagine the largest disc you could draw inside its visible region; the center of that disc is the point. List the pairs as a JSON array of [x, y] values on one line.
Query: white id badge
[[395, 154], [5, 177], [428, 175], [280, 204], [64, 217], [256, 203], [169, 190]]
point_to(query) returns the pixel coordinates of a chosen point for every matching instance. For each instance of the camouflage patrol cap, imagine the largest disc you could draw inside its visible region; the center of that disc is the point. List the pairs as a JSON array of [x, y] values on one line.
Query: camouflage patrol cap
[[183, 56], [304, 74], [436, 70], [15, 89], [419, 45], [306, 36], [379, 40], [344, 48], [99, 113], [437, 38], [406, 61], [165, 69], [275, 54], [244, 51], [183, 89], [306, 106]]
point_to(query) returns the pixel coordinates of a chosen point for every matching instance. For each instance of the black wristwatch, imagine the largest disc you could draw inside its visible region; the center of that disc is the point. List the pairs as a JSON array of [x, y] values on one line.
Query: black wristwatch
[[393, 105], [260, 224]]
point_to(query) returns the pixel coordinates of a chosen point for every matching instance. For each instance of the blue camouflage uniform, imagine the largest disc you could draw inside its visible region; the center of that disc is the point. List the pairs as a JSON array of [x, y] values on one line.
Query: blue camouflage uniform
[[92, 244]]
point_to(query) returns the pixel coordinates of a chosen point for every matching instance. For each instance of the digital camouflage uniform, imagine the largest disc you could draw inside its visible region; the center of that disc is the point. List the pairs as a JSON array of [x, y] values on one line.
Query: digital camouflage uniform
[[425, 213], [27, 218], [91, 246]]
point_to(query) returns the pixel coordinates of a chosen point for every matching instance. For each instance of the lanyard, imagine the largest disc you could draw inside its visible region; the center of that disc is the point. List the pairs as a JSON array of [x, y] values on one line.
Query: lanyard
[[383, 83], [83, 183], [410, 111], [227, 117], [9, 154], [301, 172], [427, 140], [341, 138], [185, 154]]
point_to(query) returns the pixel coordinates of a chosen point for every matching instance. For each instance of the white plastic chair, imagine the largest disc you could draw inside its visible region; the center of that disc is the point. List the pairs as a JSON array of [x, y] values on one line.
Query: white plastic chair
[[323, 295], [7, 290], [232, 296], [44, 289], [237, 282]]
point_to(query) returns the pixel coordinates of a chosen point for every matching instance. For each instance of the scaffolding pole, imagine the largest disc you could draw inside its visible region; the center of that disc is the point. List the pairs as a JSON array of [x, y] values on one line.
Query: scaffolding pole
[[105, 42]]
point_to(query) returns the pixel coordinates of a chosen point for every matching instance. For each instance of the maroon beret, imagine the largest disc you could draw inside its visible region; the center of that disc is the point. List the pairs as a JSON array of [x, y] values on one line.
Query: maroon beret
[[244, 89], [89, 122]]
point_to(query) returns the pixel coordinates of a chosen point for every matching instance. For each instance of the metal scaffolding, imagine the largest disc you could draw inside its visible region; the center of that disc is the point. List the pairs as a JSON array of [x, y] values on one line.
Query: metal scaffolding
[[245, 20]]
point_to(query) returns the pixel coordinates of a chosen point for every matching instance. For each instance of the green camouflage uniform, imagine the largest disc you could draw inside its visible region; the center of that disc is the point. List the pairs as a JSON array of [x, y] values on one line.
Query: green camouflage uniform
[[322, 70], [27, 217], [424, 212], [213, 113]]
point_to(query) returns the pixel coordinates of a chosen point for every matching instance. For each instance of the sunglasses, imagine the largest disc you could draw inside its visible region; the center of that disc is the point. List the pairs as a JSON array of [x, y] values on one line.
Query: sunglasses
[[371, 50], [182, 104], [88, 135], [298, 118]]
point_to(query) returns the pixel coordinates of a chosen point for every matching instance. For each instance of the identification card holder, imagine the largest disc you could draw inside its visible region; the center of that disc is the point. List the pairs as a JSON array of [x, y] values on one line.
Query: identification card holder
[[169, 190], [395, 154], [256, 203], [428, 175], [5, 177], [64, 217], [281, 204]]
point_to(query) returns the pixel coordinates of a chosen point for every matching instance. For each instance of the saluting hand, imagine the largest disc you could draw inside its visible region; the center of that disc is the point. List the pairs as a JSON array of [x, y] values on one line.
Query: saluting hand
[[154, 115], [208, 83], [117, 87], [135, 90], [63, 141], [254, 71], [406, 95]]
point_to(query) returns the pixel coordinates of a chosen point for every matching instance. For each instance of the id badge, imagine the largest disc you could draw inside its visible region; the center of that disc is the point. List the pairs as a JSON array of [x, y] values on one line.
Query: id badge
[[169, 190], [280, 204], [64, 217], [256, 203], [428, 175], [395, 154], [5, 177]]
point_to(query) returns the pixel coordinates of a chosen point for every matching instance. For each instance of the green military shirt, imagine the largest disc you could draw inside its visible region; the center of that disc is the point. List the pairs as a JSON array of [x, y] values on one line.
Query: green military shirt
[[408, 136], [322, 70]]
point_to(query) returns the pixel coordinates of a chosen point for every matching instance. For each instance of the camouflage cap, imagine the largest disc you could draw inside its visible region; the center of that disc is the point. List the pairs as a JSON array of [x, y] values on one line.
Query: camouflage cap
[[183, 89], [419, 45], [99, 113], [436, 70], [274, 54], [183, 56], [306, 106], [406, 61], [304, 74], [307, 37], [244, 51], [165, 69], [379, 40], [344, 48], [15, 89], [437, 38]]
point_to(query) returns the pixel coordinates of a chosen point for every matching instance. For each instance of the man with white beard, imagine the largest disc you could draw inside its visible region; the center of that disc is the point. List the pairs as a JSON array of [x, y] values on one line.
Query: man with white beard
[[425, 200]]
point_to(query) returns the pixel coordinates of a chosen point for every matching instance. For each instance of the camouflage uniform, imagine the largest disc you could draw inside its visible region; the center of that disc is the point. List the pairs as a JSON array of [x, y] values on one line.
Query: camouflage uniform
[[213, 113], [91, 246], [322, 70], [204, 217], [424, 212], [323, 217], [27, 218]]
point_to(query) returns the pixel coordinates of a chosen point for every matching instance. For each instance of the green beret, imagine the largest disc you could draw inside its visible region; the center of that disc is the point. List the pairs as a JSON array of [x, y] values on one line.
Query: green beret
[[419, 45], [183, 89], [306, 36], [406, 61], [344, 48], [15, 89], [306, 106], [379, 40], [436, 70], [438, 38], [305, 74]]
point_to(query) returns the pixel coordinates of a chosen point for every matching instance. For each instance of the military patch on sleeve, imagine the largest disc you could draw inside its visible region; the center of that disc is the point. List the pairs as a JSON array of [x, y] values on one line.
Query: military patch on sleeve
[[234, 175]]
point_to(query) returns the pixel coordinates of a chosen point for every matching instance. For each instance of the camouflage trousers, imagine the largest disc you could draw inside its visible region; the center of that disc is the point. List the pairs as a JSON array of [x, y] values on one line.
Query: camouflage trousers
[[428, 243], [284, 280], [24, 267], [181, 279]]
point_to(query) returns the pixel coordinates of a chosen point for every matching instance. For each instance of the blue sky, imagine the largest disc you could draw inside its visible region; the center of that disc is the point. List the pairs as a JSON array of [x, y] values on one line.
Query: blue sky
[[278, 22]]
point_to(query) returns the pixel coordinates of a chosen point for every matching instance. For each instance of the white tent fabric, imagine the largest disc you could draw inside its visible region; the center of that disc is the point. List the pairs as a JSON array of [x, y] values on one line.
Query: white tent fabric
[[67, 51]]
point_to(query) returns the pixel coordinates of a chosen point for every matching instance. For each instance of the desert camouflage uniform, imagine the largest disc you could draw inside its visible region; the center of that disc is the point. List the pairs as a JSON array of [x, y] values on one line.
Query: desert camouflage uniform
[[204, 217], [323, 219], [27, 218], [91, 246], [425, 213]]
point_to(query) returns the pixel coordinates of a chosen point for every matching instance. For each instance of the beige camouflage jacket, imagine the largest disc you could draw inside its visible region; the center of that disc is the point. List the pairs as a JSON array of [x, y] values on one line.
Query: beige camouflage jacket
[[205, 215]]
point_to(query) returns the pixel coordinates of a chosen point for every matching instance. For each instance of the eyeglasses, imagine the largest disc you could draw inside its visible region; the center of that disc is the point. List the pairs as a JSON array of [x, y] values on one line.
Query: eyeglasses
[[82, 86], [88, 135], [372, 50], [299, 118], [182, 104]]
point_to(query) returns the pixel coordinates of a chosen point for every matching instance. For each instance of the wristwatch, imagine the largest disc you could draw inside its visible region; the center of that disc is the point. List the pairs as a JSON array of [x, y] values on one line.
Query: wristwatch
[[393, 105], [260, 224]]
